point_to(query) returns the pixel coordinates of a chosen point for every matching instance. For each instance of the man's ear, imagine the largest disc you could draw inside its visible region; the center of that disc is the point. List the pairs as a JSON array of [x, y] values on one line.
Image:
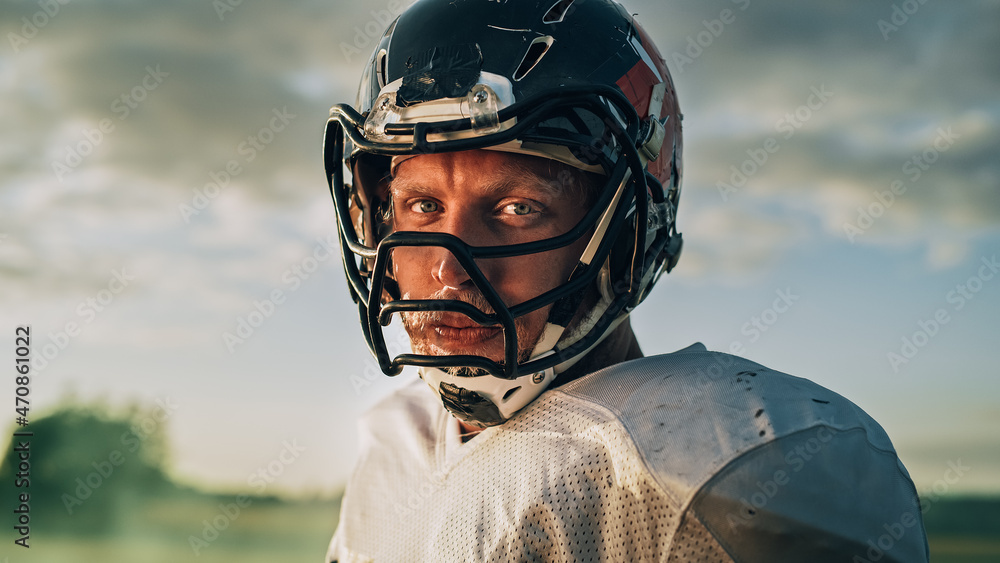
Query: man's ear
[[371, 191], [390, 288], [385, 213]]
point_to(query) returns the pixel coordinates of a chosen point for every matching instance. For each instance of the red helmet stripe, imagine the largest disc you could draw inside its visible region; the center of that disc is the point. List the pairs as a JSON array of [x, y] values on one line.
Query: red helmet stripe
[[637, 85]]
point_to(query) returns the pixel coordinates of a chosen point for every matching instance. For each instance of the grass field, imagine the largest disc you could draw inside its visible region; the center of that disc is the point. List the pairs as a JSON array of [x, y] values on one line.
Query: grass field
[[945, 549], [266, 530], [270, 530]]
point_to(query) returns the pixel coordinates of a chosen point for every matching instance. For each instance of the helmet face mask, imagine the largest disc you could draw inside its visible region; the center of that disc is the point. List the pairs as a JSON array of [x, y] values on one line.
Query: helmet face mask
[[452, 102]]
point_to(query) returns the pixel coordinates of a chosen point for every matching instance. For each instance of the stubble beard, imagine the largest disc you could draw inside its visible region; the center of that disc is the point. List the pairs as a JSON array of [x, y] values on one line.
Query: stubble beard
[[419, 326]]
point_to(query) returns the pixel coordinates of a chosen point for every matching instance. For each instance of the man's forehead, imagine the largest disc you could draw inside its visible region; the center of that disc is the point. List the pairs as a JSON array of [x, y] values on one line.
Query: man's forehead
[[478, 159], [488, 171]]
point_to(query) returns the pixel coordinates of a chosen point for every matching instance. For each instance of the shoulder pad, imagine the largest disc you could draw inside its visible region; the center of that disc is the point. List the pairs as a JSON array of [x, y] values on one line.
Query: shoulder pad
[[693, 412]]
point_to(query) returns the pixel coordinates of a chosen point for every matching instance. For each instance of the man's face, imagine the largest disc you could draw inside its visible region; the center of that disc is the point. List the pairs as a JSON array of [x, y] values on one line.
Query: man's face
[[485, 198]]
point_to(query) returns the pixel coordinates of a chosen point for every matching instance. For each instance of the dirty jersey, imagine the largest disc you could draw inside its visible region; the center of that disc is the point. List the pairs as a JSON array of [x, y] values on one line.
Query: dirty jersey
[[686, 457]]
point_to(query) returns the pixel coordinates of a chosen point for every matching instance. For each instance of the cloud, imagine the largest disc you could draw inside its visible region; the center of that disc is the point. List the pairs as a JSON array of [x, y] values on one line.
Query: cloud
[[219, 81], [891, 100], [731, 244], [118, 113]]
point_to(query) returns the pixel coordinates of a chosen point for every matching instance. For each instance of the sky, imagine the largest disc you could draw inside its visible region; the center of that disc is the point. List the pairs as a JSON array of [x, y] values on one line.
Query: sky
[[161, 184]]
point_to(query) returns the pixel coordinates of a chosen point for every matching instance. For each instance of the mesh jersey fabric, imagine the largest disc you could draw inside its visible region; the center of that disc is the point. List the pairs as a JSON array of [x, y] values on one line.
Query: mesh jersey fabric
[[692, 457]]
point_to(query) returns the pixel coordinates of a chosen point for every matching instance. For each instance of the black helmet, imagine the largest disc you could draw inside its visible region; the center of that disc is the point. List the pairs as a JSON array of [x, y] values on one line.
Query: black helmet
[[578, 82]]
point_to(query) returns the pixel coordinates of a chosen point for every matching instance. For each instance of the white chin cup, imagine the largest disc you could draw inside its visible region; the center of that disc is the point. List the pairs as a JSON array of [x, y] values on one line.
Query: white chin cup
[[508, 395]]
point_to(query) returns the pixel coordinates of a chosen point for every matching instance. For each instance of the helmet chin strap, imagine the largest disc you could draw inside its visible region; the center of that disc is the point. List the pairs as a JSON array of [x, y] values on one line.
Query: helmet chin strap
[[553, 336], [554, 331]]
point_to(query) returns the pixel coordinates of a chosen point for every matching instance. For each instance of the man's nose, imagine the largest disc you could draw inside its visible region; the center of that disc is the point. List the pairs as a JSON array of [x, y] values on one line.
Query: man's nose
[[449, 272]]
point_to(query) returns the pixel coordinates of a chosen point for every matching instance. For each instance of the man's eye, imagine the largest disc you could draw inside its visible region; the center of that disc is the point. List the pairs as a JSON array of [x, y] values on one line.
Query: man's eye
[[424, 206], [519, 208]]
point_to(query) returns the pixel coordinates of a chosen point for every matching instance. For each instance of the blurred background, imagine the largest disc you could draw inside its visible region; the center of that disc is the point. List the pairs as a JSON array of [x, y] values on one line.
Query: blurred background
[[164, 231]]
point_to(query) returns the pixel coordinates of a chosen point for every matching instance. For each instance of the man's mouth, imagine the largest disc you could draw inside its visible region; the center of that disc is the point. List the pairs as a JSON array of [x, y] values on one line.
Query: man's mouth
[[466, 335], [461, 330]]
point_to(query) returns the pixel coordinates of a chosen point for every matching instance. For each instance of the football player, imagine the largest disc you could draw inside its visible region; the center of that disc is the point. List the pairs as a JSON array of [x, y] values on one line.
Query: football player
[[507, 189]]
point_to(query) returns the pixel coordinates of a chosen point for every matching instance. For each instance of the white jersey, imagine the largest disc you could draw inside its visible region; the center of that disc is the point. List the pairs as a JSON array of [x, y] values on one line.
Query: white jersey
[[691, 456]]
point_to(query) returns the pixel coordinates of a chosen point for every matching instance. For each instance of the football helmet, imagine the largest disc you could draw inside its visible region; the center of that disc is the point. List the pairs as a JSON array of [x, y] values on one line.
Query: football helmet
[[578, 82]]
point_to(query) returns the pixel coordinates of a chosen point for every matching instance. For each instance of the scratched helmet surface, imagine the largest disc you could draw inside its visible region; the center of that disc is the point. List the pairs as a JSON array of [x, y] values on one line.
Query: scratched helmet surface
[[578, 82]]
